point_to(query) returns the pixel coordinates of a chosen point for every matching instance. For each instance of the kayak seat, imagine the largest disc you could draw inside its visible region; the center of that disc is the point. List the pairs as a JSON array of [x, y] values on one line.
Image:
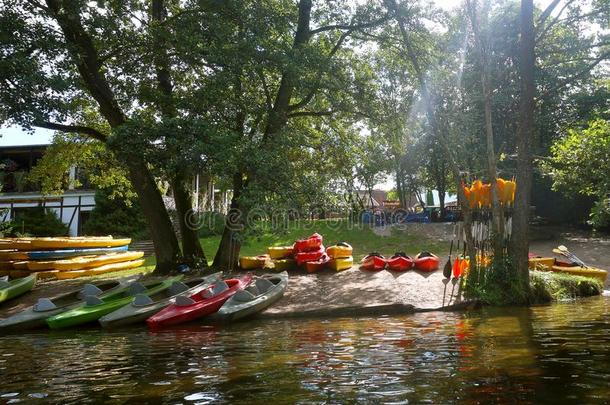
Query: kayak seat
[[252, 290], [91, 300], [263, 285], [243, 296], [4, 284], [142, 300], [184, 301], [219, 287], [177, 287], [90, 289], [44, 304], [136, 288]]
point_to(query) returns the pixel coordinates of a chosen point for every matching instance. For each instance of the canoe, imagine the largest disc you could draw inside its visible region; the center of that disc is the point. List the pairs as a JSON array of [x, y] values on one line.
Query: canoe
[[206, 302], [15, 288], [341, 249], [558, 266], [279, 252], [36, 315], [107, 268], [253, 262], [81, 242], [259, 295], [341, 263], [94, 307], [65, 253], [400, 262], [283, 264], [373, 262], [426, 261], [318, 265], [314, 242], [83, 262], [309, 256], [143, 306]]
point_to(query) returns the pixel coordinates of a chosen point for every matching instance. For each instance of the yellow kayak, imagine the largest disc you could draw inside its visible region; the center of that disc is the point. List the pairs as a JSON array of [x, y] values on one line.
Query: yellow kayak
[[280, 265], [108, 268], [83, 262], [253, 262], [10, 255], [341, 263], [77, 242], [6, 265], [20, 265], [554, 265], [339, 250], [279, 252], [15, 243]]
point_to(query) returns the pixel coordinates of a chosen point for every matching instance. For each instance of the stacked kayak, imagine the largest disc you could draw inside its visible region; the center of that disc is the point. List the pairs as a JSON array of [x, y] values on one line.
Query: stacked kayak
[[36, 315], [308, 253], [558, 266], [17, 287], [63, 258], [94, 307]]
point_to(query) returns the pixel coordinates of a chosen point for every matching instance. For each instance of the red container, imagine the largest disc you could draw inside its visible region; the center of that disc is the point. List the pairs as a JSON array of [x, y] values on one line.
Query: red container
[[314, 242], [373, 262], [426, 262], [318, 265], [200, 307], [311, 256], [400, 262]]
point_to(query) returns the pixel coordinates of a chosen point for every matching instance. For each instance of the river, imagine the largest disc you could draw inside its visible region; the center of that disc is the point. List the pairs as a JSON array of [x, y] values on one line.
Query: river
[[546, 354]]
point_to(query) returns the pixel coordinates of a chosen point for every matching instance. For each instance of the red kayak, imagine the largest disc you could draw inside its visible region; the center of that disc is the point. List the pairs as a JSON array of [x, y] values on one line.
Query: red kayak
[[312, 256], [318, 265], [400, 262], [373, 262], [426, 261], [198, 305], [314, 242]]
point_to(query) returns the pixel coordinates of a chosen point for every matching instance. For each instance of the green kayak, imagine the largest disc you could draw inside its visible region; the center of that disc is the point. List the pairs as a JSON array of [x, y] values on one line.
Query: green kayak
[[95, 307], [14, 288]]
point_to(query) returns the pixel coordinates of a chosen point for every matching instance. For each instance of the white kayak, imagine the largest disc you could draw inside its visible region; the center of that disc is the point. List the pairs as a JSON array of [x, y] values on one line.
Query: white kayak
[[262, 292], [144, 306]]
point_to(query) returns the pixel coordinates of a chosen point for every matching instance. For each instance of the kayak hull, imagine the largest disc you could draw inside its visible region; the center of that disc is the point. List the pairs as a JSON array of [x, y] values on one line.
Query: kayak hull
[[341, 263], [311, 256], [17, 287], [253, 262], [400, 263], [313, 267], [551, 264], [373, 263], [64, 253], [314, 242], [339, 251], [427, 264], [233, 309], [279, 252]]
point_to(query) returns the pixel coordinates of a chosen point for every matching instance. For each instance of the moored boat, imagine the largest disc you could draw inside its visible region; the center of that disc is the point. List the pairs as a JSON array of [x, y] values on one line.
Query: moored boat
[[558, 266], [36, 315], [400, 262], [259, 295], [17, 287], [94, 307], [206, 302], [144, 306], [426, 261]]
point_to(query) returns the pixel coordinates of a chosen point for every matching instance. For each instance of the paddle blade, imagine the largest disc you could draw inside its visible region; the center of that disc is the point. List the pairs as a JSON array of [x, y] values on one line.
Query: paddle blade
[[447, 269], [457, 268]]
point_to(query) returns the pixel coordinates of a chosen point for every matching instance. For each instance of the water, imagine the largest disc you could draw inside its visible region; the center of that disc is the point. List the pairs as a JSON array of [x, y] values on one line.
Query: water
[[550, 354]]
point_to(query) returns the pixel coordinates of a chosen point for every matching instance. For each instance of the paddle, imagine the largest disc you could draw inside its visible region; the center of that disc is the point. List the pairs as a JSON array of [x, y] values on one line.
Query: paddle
[[575, 258], [447, 271]]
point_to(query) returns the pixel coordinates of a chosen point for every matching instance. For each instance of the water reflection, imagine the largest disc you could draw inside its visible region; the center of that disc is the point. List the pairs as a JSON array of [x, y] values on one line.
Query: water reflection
[[542, 354]]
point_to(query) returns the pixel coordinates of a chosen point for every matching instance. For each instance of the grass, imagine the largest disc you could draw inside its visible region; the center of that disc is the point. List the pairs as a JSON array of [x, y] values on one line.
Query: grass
[[547, 286]]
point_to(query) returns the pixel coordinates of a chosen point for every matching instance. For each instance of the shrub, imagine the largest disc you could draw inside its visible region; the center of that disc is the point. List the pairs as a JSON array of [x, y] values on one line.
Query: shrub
[[211, 224], [38, 221], [116, 217]]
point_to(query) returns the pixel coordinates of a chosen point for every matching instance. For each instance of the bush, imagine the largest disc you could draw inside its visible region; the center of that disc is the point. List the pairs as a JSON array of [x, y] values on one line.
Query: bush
[[116, 217], [38, 221], [211, 224], [546, 287]]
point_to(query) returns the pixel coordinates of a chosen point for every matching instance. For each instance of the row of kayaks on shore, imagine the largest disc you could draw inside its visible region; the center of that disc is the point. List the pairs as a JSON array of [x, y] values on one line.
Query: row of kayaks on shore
[[400, 261], [159, 303]]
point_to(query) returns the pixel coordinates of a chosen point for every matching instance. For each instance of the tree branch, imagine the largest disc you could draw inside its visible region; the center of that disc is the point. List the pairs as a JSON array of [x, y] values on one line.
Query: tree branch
[[579, 75], [310, 114], [81, 129], [350, 27], [547, 12]]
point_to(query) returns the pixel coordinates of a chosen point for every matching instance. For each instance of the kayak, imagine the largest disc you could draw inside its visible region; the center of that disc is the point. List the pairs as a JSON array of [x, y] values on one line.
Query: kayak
[[341, 249], [314, 242], [279, 252], [426, 261], [283, 264], [6, 265], [318, 265], [36, 315], [94, 307], [309, 256], [206, 302], [341, 263], [261, 294], [558, 266], [143, 306], [253, 262], [11, 255], [400, 262], [107, 268], [373, 262], [58, 254], [83, 262], [17, 287], [63, 243]]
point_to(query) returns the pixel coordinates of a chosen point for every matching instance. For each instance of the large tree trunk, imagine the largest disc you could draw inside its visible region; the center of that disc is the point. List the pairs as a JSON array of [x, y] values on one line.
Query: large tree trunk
[[230, 244], [192, 252], [519, 242]]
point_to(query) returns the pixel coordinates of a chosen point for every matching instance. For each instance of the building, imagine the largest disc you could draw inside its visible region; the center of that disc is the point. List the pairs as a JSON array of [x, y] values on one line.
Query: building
[[17, 194]]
